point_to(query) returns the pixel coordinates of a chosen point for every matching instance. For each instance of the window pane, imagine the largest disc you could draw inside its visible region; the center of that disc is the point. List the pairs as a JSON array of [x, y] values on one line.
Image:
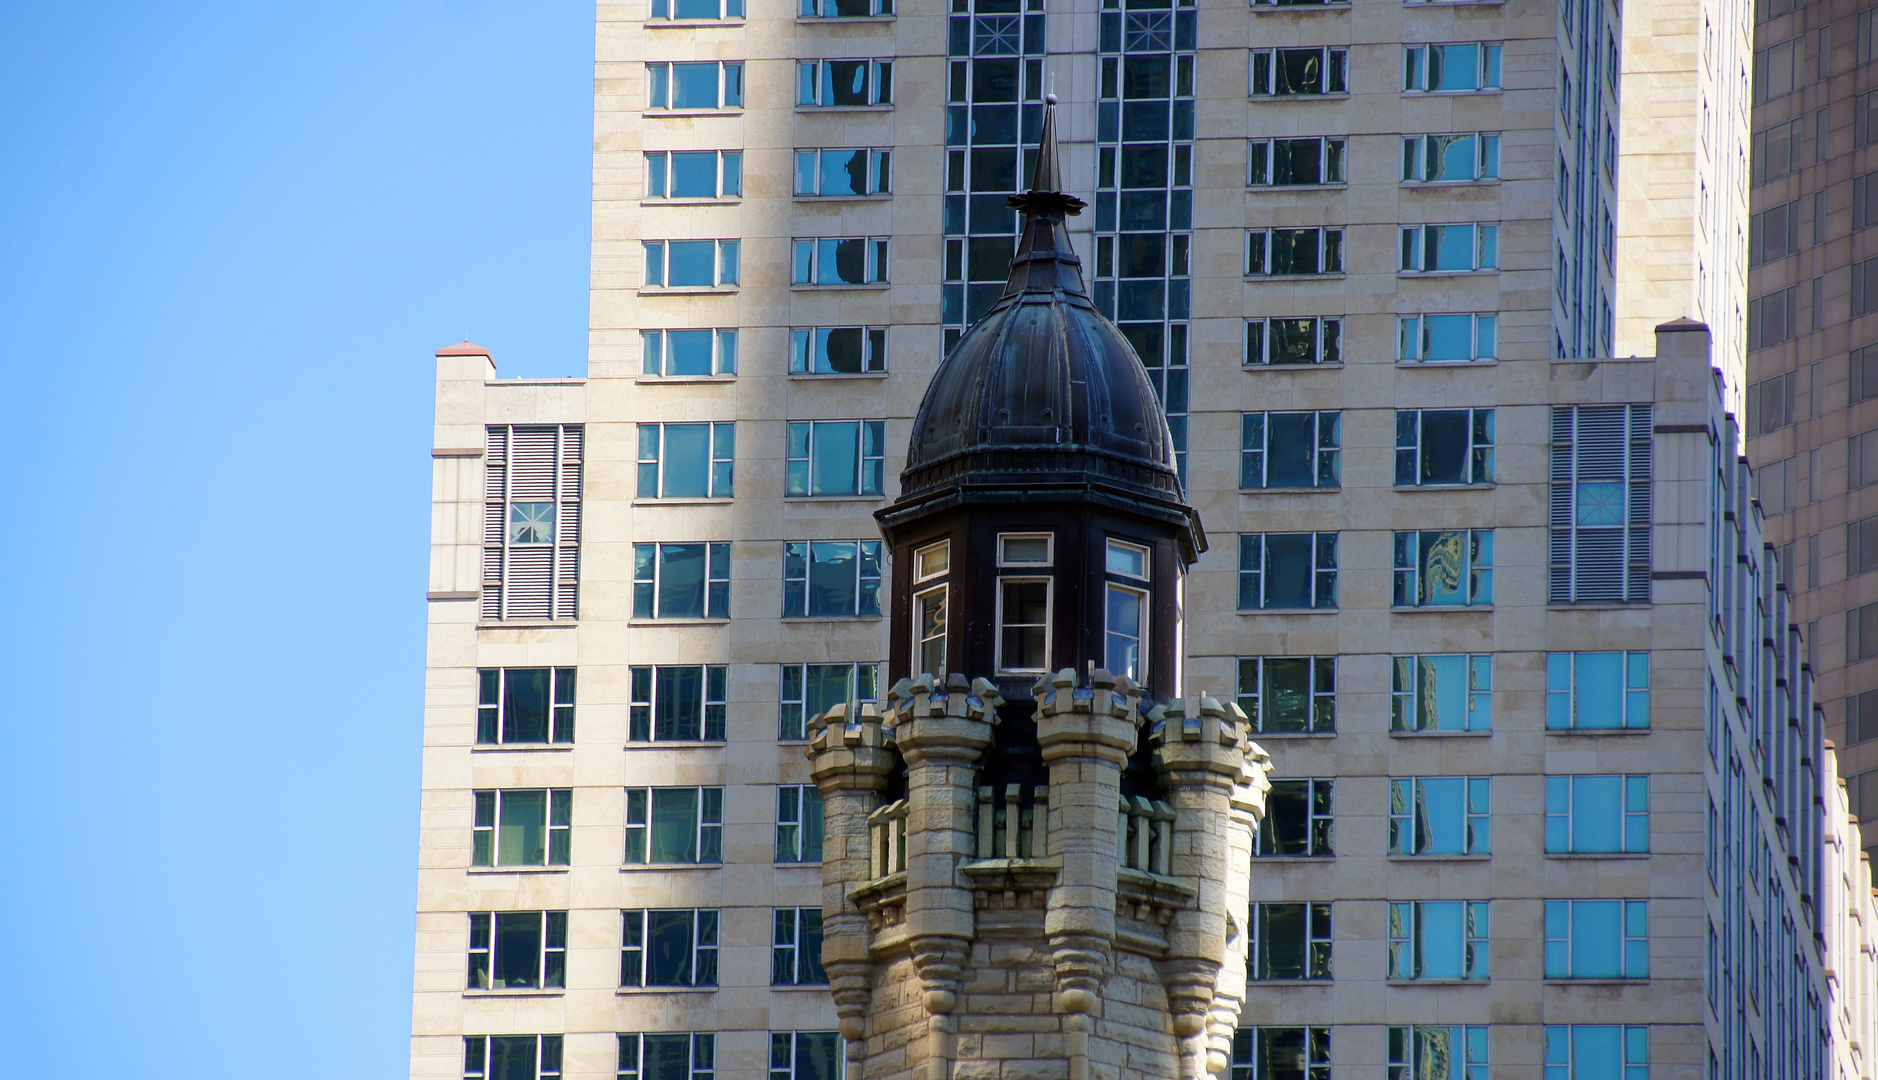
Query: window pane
[[680, 707], [818, 1055], [1291, 449], [839, 350], [518, 949], [1444, 446], [1288, 570], [692, 263], [1597, 810], [1596, 943], [674, 825], [681, 581], [512, 1057], [1442, 941], [1443, 692], [1025, 604], [1451, 157], [1281, 941], [687, 461], [668, 948], [668, 1057], [523, 831], [831, 579], [1441, 816], [1447, 337], [525, 705], [694, 86], [694, 173], [690, 352], [835, 463], [1600, 689], [1123, 652], [1287, 698]]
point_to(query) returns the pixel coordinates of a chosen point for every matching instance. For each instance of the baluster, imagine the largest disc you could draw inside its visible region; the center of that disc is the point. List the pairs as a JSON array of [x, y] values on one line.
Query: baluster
[[987, 823], [1013, 811]]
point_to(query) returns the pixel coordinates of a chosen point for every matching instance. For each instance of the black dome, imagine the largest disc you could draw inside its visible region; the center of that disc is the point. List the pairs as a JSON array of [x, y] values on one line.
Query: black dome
[[1043, 391]]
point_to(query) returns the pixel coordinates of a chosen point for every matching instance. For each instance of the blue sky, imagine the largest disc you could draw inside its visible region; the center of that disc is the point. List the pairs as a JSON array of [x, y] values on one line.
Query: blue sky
[[231, 236]]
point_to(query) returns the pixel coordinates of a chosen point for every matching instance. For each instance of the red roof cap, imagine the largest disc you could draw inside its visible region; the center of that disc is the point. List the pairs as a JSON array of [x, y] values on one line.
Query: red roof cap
[[463, 348]]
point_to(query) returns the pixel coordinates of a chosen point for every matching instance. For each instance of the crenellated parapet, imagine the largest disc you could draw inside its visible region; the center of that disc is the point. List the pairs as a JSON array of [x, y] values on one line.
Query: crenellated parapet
[[1216, 781]]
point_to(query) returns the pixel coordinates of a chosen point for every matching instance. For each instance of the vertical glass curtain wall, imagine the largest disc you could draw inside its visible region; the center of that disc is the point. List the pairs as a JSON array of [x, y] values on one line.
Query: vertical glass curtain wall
[[994, 116], [1144, 189]]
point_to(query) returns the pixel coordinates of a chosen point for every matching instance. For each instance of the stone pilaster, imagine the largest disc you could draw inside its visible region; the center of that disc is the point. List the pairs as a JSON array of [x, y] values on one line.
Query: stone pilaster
[[1086, 734], [942, 732], [1215, 780], [850, 755]]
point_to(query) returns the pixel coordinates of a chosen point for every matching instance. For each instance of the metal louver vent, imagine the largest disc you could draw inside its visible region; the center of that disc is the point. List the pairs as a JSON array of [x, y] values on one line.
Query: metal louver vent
[[531, 523], [1600, 505]]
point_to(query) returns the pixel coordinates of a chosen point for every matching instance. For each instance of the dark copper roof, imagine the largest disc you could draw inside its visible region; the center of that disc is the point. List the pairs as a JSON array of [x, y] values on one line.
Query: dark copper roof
[[1043, 391]]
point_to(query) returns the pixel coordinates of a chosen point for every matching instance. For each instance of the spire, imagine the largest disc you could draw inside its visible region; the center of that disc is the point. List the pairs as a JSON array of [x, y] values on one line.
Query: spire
[[1045, 261]]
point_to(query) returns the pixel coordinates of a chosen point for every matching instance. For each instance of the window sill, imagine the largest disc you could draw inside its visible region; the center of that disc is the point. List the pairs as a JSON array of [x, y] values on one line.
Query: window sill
[[882, 196], [1338, 276], [1574, 855], [812, 376], [1271, 9], [566, 624], [516, 993], [724, 621], [521, 748], [831, 618], [677, 744], [692, 24], [878, 286], [842, 20], [1294, 734], [1325, 981], [1289, 98], [687, 380], [734, 200], [1443, 858], [1494, 90], [1581, 731], [1439, 734], [797, 865], [1289, 611], [738, 111], [634, 991], [1598, 982], [1485, 361], [842, 109], [682, 502], [665, 868], [518, 869], [1288, 367], [1478, 272], [798, 986], [1250, 188], [1437, 982], [1293, 858], [1444, 487], [1437, 608], [1450, 185], [688, 290], [831, 498], [1332, 490]]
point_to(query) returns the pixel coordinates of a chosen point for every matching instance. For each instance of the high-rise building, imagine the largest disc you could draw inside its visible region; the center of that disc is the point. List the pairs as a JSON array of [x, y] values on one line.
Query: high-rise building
[[1809, 417], [1548, 792]]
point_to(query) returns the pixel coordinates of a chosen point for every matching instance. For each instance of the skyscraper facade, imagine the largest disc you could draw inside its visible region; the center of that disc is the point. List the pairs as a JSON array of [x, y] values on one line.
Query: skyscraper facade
[[1548, 792]]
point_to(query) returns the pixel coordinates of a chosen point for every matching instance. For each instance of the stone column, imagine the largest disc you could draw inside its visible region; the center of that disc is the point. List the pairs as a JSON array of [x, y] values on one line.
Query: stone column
[[1202, 752], [942, 732], [849, 758], [1087, 734]]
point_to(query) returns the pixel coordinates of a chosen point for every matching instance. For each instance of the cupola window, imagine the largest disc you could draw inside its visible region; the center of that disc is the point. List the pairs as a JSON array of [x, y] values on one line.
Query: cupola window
[[930, 564], [1024, 596], [1125, 616]]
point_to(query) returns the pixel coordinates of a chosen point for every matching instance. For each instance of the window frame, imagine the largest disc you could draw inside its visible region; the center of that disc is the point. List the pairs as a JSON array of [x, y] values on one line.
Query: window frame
[[1415, 338], [1262, 341], [814, 81], [859, 689], [800, 459], [702, 951], [799, 578], [1049, 619], [923, 642], [661, 85], [1409, 816], [645, 708], [486, 838], [808, 351], [1316, 944], [1418, 242], [1320, 694], [1564, 803], [1563, 690], [478, 1052], [1466, 1052], [648, 590], [1323, 572], [809, 165], [701, 1053], [725, 261], [793, 923], [1252, 1049], [1333, 68], [1325, 451], [720, 460], [707, 825], [791, 1047], [1407, 701], [1418, 68], [799, 825], [812, 256], [1418, 157], [1408, 944], [1319, 820], [486, 941], [728, 11], [1411, 457], [1332, 161], [1410, 577], [655, 349], [492, 707], [1261, 248], [660, 178], [1560, 1054], [1562, 930]]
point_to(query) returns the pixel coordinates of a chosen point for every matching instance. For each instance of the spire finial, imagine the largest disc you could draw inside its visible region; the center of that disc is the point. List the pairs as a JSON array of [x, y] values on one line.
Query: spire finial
[[1044, 258]]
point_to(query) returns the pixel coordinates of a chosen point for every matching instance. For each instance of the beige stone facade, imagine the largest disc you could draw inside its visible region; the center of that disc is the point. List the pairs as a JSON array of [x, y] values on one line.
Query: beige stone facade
[[1707, 577]]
